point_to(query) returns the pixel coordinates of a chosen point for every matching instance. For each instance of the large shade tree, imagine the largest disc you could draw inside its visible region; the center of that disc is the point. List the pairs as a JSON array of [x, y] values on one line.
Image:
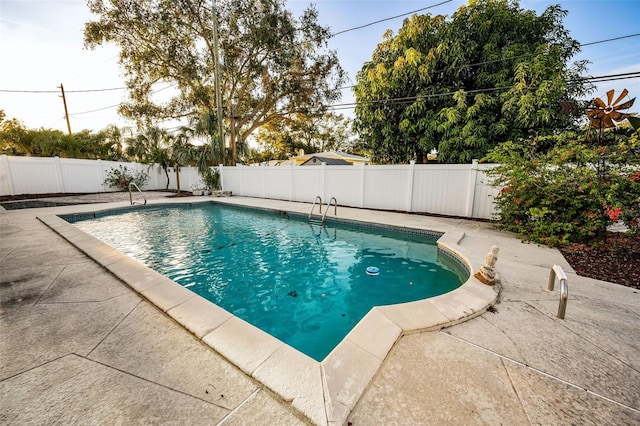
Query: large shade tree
[[491, 73], [285, 138], [272, 64]]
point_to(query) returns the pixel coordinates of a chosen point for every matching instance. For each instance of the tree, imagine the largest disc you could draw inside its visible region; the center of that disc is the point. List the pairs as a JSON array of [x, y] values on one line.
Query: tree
[[151, 147], [284, 138], [492, 73], [15, 139], [203, 126], [273, 65], [112, 138]]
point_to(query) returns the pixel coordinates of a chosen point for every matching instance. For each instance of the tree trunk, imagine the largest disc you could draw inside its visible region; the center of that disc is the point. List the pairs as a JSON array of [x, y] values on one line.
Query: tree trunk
[[177, 169]]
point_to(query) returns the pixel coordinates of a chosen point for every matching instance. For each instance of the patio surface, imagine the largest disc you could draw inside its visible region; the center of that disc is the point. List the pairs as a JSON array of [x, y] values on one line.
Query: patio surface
[[78, 346]]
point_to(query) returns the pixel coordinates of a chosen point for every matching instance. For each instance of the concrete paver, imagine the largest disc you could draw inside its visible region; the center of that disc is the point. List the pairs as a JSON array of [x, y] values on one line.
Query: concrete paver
[[46, 332], [79, 346], [187, 365], [75, 390]]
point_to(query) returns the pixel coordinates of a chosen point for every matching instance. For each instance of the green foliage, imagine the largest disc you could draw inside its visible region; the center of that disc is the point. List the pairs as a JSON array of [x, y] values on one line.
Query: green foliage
[[211, 178], [122, 177], [281, 139], [570, 192], [15, 139], [273, 64], [492, 73]]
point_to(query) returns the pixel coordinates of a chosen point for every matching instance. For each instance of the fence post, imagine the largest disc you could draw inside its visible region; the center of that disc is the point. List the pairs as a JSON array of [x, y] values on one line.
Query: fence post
[[412, 166], [362, 183], [239, 169], [100, 175], [471, 191], [323, 168], [221, 171], [263, 178], [7, 174], [292, 188], [59, 179]]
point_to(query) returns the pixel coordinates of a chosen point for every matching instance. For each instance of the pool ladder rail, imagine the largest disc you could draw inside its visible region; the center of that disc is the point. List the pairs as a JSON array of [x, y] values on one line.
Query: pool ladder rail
[[557, 272], [314, 220], [131, 195]]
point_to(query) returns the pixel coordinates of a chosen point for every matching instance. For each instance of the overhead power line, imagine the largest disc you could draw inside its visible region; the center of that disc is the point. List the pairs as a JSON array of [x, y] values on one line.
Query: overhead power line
[[408, 99], [389, 18], [609, 39], [94, 110], [67, 91]]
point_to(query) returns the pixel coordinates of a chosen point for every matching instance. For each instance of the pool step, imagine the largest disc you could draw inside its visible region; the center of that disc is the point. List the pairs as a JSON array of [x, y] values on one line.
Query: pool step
[[316, 220]]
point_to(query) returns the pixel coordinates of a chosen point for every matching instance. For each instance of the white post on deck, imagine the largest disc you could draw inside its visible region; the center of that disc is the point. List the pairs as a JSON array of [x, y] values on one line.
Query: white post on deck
[[410, 178], [471, 190]]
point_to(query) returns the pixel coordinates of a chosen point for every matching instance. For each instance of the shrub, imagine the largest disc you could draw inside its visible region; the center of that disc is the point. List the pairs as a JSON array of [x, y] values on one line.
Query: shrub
[[570, 192], [211, 178], [122, 177]]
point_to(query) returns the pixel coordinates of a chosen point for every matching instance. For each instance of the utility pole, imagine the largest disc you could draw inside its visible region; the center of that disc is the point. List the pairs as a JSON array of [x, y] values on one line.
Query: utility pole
[[66, 113], [217, 81], [232, 119]]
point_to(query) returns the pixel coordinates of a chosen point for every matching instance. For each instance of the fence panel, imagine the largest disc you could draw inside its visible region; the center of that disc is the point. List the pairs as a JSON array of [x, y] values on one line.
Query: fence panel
[[6, 183], [455, 190], [231, 179], [484, 200], [458, 190], [252, 181], [41, 175], [32, 175], [78, 177], [344, 183], [189, 178], [307, 183], [441, 189], [386, 187], [277, 182]]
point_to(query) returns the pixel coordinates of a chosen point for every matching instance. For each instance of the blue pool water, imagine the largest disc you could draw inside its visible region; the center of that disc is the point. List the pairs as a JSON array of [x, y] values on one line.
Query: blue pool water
[[304, 284]]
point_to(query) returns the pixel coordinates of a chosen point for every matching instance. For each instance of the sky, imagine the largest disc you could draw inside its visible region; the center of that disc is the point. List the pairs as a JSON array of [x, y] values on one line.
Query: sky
[[42, 48]]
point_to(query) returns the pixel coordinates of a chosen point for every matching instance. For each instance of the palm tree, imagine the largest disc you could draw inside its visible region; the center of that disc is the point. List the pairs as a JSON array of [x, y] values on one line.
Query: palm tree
[[188, 153], [112, 139], [151, 147], [205, 126]]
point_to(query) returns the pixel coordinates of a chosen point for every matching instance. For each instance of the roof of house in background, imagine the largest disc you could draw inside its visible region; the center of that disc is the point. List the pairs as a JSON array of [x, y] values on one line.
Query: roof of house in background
[[351, 158], [317, 160], [274, 163]]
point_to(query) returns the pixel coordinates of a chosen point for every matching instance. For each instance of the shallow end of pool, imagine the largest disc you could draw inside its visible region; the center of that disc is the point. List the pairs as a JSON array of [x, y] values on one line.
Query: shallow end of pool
[[325, 392]]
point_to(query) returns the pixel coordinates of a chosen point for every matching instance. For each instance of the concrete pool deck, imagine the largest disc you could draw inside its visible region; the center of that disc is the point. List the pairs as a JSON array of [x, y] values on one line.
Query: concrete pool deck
[[79, 346]]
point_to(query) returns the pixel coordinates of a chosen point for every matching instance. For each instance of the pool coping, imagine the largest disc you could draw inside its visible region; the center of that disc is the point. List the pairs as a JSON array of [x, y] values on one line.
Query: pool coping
[[325, 392]]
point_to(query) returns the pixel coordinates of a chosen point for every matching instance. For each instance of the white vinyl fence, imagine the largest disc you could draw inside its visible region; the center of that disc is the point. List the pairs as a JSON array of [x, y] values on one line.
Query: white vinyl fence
[[38, 175], [448, 189]]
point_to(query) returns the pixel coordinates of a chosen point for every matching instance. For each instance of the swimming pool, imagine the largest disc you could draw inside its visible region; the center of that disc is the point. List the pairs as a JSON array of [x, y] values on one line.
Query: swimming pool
[[306, 285]]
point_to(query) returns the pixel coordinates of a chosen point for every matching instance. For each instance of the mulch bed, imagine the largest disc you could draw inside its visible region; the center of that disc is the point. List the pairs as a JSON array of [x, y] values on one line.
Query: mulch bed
[[616, 260]]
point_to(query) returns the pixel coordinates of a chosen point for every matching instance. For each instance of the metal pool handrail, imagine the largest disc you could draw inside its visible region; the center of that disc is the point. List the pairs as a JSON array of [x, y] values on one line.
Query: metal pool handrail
[[557, 272], [131, 196], [314, 205], [335, 208]]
